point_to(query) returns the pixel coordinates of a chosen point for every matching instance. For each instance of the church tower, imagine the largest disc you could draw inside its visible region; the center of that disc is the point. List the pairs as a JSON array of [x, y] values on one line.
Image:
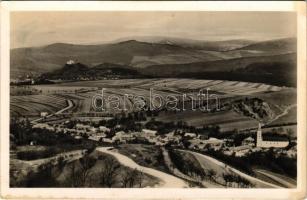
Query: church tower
[[259, 136]]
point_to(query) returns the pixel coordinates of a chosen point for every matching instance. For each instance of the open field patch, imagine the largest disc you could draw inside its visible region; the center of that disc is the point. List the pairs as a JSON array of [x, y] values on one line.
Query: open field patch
[[227, 120]]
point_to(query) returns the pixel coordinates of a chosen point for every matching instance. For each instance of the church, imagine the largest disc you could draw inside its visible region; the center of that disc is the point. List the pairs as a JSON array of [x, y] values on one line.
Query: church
[[267, 144]]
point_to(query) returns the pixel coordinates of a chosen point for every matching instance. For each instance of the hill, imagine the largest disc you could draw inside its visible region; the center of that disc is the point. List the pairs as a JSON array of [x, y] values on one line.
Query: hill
[[79, 71], [196, 44], [52, 57], [276, 69], [156, 51], [283, 45], [169, 57]]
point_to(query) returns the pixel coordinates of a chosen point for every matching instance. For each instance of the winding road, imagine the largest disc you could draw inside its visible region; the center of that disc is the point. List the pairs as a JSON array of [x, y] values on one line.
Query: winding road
[[178, 173], [257, 182], [281, 180], [70, 105], [167, 180]]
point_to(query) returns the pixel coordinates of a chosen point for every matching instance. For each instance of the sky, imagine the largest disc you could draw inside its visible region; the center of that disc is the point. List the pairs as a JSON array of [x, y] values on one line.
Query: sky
[[43, 28]]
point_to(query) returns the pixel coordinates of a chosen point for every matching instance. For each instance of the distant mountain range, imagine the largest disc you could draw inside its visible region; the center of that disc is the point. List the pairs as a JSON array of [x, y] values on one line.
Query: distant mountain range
[[166, 57]]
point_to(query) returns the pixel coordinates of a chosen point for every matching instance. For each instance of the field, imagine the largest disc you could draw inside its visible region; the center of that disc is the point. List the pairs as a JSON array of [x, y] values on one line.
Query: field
[[34, 104], [53, 98], [228, 87], [227, 120]]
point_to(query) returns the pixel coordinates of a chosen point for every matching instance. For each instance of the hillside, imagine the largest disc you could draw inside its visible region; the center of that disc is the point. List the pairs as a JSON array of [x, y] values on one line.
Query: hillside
[[277, 69], [52, 57], [80, 71], [277, 46], [196, 44], [155, 51]]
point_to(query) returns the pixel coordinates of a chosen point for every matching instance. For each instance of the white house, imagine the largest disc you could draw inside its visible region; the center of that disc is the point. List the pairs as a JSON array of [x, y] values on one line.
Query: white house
[[150, 135], [96, 137], [108, 140], [93, 130], [242, 150], [122, 136], [248, 141], [44, 114], [197, 143], [104, 129], [214, 143], [192, 135], [82, 127], [172, 137], [149, 132], [44, 126]]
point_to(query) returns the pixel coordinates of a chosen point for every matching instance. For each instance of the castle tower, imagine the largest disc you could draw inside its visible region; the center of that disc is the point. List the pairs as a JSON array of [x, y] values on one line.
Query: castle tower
[[259, 136], [70, 62]]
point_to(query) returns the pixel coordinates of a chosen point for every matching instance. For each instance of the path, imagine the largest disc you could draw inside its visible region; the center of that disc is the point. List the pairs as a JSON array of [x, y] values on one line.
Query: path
[[286, 111], [276, 178], [257, 182], [167, 180], [70, 105]]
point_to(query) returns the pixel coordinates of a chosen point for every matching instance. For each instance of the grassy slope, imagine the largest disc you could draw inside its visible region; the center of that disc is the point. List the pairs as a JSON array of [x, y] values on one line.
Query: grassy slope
[[145, 155]]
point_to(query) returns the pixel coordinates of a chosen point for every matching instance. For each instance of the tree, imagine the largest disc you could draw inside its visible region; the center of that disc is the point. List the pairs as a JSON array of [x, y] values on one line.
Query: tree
[[86, 163], [125, 177], [290, 132], [109, 172], [61, 162], [74, 179], [140, 177], [211, 174]]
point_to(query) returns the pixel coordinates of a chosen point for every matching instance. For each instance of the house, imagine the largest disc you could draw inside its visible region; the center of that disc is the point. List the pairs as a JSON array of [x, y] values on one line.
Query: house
[[104, 129], [229, 142], [96, 137], [82, 127], [191, 135], [44, 126], [107, 140], [148, 135], [122, 136], [203, 136], [171, 137], [44, 114], [78, 137], [197, 143], [214, 143], [248, 141], [40, 125], [93, 129], [241, 150], [292, 152]]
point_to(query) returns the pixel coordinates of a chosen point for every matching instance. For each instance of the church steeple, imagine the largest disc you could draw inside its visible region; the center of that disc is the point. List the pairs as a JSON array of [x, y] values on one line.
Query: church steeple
[[259, 136]]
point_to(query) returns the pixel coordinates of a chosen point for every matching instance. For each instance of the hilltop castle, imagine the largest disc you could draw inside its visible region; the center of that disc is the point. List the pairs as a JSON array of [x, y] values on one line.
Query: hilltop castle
[[267, 144]]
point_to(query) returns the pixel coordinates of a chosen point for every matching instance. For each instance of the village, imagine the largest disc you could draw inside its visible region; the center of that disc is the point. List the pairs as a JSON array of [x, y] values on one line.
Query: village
[[178, 139]]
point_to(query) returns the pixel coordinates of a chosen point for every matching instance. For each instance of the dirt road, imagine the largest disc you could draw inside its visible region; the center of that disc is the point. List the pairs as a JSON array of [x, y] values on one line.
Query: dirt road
[[257, 182], [167, 180]]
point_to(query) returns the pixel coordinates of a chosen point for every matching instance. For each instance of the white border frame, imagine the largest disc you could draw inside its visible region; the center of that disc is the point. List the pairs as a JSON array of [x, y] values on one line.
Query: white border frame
[[153, 193]]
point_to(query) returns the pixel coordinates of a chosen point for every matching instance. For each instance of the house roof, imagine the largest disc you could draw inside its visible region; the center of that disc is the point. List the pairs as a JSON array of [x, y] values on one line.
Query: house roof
[[149, 131], [249, 139]]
